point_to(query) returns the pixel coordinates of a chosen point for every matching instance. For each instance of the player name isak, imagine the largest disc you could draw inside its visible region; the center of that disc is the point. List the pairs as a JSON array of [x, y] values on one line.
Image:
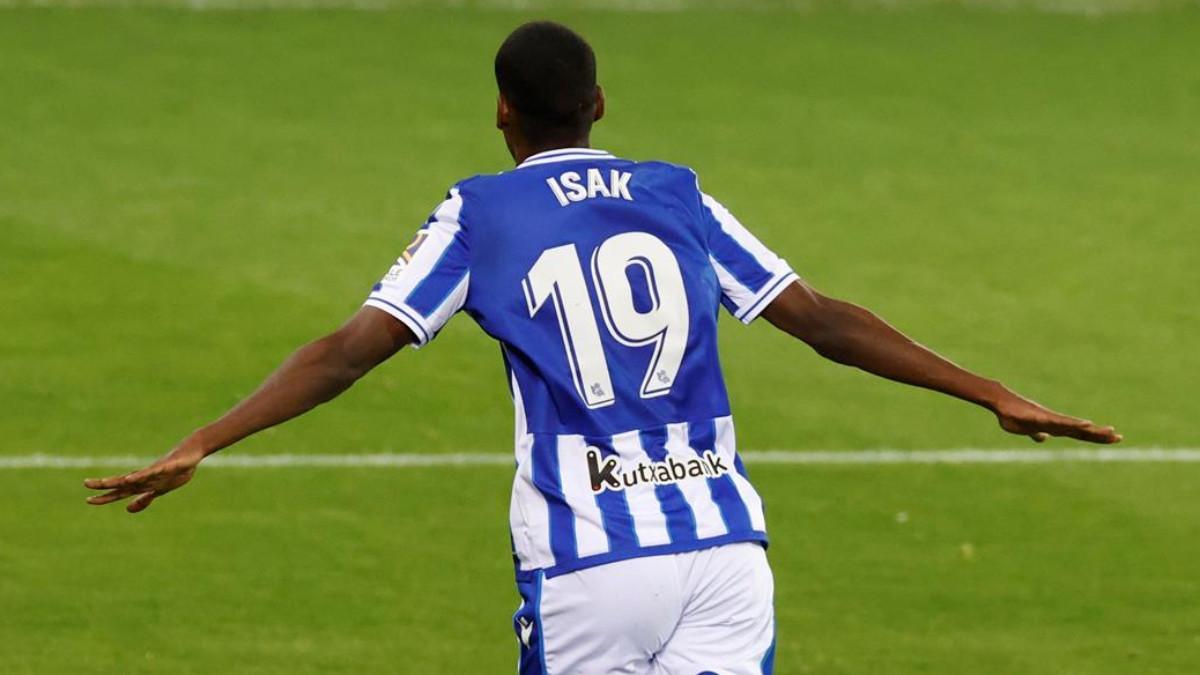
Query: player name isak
[[570, 187], [607, 474]]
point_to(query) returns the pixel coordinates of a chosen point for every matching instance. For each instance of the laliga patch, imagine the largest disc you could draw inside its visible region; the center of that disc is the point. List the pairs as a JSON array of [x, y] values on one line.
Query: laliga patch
[[412, 248], [406, 257]]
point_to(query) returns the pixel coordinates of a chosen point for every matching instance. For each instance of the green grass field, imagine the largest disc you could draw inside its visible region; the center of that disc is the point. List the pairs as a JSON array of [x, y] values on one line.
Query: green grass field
[[187, 196]]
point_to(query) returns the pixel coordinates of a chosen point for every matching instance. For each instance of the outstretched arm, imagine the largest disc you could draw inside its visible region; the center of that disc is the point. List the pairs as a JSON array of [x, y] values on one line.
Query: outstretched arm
[[853, 336], [314, 374]]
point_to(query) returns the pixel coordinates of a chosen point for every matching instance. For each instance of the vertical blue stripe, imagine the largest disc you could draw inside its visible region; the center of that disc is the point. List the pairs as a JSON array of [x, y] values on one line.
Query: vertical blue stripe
[[548, 480], [768, 660], [702, 437], [737, 464], [614, 507], [681, 522], [541, 633]]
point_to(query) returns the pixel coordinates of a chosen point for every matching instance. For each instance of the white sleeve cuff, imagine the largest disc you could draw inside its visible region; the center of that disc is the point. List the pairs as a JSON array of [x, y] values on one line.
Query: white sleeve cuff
[[405, 315], [781, 279]]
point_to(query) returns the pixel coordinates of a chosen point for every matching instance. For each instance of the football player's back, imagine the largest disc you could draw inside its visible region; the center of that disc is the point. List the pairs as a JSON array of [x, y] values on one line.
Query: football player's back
[[602, 279]]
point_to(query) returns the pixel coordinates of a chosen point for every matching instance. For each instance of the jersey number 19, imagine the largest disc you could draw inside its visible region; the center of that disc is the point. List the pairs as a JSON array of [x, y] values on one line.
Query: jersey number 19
[[558, 276]]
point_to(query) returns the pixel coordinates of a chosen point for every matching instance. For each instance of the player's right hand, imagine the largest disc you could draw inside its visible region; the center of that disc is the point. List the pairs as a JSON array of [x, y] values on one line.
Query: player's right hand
[[171, 472]]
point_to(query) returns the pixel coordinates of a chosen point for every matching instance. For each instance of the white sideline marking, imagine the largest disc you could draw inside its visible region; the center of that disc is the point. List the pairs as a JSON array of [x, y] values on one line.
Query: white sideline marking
[[815, 457]]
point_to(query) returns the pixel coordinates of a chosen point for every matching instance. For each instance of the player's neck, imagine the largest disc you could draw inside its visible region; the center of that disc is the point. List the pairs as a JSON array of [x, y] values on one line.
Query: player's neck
[[525, 151]]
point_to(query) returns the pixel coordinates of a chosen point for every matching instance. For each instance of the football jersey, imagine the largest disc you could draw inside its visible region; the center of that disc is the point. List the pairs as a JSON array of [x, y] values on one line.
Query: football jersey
[[602, 279]]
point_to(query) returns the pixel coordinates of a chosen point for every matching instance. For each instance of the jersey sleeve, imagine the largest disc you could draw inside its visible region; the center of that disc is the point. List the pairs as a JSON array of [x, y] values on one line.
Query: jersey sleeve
[[751, 275], [428, 282]]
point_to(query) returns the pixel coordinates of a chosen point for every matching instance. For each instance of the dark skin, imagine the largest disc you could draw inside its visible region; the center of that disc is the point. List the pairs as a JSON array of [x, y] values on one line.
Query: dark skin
[[837, 330]]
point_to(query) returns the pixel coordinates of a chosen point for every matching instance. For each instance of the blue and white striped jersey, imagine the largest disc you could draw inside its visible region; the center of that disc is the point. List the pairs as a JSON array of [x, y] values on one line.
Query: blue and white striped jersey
[[601, 279]]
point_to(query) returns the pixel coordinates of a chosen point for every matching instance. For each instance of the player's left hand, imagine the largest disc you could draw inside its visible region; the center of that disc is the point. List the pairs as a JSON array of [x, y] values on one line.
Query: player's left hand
[[1019, 415], [171, 472]]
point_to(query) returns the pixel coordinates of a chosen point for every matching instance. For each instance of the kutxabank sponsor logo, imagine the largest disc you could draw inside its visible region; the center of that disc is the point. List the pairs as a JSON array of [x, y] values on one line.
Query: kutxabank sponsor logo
[[610, 473]]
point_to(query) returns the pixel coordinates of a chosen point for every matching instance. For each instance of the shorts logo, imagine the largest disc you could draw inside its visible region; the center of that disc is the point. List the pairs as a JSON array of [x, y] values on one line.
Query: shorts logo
[[610, 474], [526, 628]]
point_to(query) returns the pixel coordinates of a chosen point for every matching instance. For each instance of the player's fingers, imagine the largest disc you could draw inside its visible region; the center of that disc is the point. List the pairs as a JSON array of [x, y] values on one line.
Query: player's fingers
[[1064, 425], [1095, 434], [110, 483], [130, 481], [109, 497], [142, 502]]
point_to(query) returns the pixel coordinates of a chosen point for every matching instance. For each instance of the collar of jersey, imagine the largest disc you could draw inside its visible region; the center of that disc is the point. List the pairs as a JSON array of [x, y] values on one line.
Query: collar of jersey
[[564, 155]]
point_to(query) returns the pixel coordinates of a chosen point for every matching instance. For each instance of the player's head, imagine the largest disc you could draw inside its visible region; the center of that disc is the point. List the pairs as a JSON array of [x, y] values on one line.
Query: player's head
[[546, 74]]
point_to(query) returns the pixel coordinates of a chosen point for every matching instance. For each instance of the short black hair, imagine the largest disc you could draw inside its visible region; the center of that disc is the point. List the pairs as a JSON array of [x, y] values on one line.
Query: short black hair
[[547, 72]]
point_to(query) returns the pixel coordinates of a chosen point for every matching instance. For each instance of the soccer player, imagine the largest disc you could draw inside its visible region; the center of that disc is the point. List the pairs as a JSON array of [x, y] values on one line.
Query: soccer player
[[637, 537]]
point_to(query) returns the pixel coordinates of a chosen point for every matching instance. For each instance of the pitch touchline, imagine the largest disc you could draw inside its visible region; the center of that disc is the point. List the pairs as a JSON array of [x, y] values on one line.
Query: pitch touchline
[[815, 457]]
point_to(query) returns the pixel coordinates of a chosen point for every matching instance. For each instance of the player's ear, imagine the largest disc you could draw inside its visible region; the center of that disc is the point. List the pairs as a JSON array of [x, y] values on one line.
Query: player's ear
[[599, 104], [503, 113]]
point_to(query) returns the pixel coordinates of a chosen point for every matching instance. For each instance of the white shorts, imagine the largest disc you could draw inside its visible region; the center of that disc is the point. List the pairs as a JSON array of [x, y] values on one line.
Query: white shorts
[[707, 612]]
